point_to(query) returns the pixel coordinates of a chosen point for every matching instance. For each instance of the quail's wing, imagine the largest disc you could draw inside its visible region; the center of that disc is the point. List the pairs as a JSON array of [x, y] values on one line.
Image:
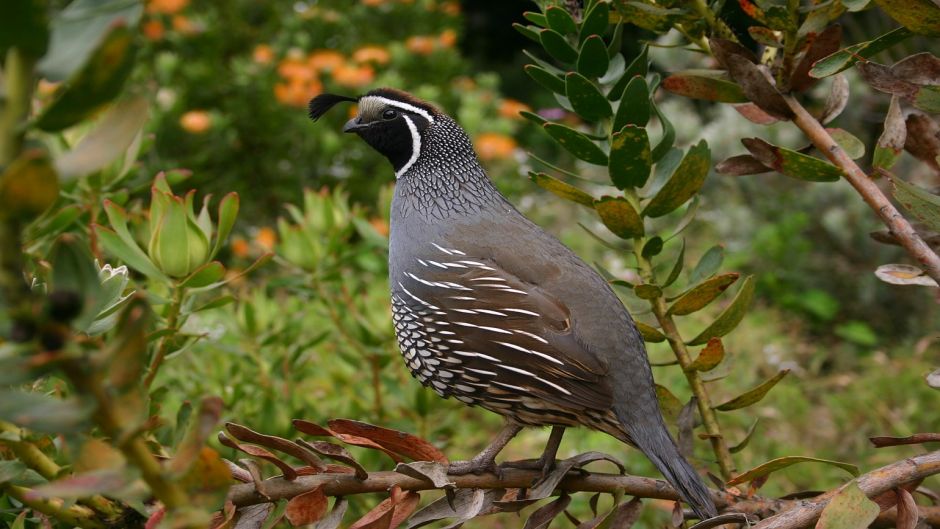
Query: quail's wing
[[495, 332]]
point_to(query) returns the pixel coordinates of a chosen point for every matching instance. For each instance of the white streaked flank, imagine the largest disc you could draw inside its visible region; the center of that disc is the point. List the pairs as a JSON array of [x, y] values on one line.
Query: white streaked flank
[[530, 351]]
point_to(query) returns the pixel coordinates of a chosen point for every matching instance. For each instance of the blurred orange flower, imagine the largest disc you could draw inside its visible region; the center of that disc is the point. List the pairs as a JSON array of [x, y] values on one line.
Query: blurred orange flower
[[464, 83], [451, 8], [266, 239], [420, 44], [448, 38], [166, 6], [153, 29], [372, 3], [374, 54], [297, 92], [510, 108], [295, 69], [263, 54], [184, 25], [353, 76], [321, 60], [380, 225], [46, 88], [196, 121], [239, 247], [494, 146]]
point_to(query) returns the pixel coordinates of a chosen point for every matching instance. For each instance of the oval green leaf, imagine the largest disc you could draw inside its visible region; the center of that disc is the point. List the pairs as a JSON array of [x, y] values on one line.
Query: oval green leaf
[[530, 32], [919, 202], [634, 106], [545, 78], [630, 157], [849, 143], [595, 21], [647, 291], [619, 216], [585, 98], [754, 395], [576, 143], [845, 58], [557, 46], [562, 189], [593, 60], [730, 317], [710, 85], [784, 462], [684, 183], [649, 333], [560, 20], [919, 16], [702, 294], [792, 163]]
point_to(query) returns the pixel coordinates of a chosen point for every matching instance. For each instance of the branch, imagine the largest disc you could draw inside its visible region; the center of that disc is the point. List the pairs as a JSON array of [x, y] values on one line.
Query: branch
[[873, 196], [75, 516], [792, 513]]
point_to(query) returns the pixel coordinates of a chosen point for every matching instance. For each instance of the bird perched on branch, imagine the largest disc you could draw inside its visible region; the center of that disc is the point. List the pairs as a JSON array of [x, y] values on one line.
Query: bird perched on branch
[[495, 312]]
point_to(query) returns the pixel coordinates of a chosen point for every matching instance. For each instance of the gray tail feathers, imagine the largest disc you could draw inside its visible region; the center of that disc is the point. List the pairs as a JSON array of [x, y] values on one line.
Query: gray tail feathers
[[659, 447]]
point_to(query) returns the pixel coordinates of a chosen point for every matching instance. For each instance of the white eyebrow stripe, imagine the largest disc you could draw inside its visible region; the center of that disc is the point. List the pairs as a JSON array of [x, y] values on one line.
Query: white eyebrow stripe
[[403, 106], [530, 351], [415, 145]]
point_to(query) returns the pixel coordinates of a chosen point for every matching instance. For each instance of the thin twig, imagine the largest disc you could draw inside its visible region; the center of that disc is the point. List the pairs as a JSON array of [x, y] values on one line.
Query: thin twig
[[172, 320], [871, 193], [73, 516]]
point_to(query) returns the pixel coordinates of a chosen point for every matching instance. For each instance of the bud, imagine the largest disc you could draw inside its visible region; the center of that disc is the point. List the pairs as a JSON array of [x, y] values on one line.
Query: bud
[[178, 246]]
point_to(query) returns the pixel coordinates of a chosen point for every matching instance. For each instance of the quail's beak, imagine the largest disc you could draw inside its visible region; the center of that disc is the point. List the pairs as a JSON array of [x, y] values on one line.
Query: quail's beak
[[354, 125]]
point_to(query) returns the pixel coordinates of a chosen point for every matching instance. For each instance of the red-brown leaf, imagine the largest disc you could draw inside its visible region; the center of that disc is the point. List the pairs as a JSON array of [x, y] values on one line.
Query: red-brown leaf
[[754, 114], [306, 508], [401, 443], [260, 453], [391, 512], [823, 45]]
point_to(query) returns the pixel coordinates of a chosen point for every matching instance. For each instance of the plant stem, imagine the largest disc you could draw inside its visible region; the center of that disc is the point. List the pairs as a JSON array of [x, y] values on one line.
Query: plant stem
[[74, 516], [29, 454], [668, 326], [18, 81], [172, 318], [871, 193]]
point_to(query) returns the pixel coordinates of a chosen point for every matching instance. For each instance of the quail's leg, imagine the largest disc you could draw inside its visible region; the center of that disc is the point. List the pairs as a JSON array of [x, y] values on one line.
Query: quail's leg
[[546, 462], [485, 461]]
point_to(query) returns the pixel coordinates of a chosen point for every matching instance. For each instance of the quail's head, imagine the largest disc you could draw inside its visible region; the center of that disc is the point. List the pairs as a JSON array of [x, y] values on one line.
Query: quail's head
[[392, 122]]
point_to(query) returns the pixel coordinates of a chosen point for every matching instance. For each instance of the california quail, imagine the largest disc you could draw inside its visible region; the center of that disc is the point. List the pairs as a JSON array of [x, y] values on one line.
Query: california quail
[[495, 312]]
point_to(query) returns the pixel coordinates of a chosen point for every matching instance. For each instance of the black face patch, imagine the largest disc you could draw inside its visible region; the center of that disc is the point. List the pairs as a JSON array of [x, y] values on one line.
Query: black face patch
[[387, 131]]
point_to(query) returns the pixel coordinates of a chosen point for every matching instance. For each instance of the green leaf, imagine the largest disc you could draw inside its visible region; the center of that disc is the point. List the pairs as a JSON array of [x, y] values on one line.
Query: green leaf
[[635, 105], [11, 470], [560, 20], [206, 274], [585, 98], [710, 85], [220, 301], [576, 143], [647, 291], [619, 216], [639, 66], [792, 163], [669, 136], [649, 334], [919, 16], [536, 18], [131, 255], [784, 462], [754, 395], [530, 32], [710, 356], [593, 60], [677, 267], [545, 78], [845, 58], [562, 189], [652, 248], [708, 264], [557, 46], [97, 83], [42, 413], [684, 183], [702, 294], [849, 143], [24, 25], [919, 202], [533, 117], [595, 22], [110, 139], [29, 186], [849, 508], [74, 270], [630, 158], [747, 438], [228, 212], [669, 404], [648, 16], [730, 317]]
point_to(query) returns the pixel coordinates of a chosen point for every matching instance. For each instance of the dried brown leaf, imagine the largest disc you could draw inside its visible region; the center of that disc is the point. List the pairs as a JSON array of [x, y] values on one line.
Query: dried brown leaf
[[923, 139], [253, 516], [741, 165], [879, 77], [431, 471], [311, 428], [917, 438], [467, 504], [336, 453], [243, 433], [921, 68], [543, 516], [256, 451], [908, 514], [401, 443], [723, 49], [822, 45], [837, 99], [757, 87], [306, 508], [754, 114]]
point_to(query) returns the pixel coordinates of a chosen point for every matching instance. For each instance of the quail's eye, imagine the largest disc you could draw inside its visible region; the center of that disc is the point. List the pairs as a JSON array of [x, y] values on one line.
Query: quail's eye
[[389, 114]]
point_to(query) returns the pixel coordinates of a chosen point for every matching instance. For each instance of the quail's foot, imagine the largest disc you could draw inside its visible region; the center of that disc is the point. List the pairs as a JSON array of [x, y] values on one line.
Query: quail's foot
[[477, 465]]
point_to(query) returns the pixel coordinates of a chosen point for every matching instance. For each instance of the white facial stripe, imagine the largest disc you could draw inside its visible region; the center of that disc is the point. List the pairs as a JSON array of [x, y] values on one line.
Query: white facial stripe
[[415, 147], [404, 106]]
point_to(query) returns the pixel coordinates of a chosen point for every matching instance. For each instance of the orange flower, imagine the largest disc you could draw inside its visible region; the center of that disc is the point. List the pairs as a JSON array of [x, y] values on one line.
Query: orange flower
[[262, 54], [448, 38], [494, 146], [266, 239], [510, 108], [295, 69], [380, 225], [184, 25], [166, 6], [196, 121], [353, 76], [239, 247], [321, 60], [47, 88], [374, 54], [153, 30], [421, 45], [297, 92]]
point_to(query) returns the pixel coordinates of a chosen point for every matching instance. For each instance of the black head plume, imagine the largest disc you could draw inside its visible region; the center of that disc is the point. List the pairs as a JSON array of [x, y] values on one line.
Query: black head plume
[[324, 102]]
